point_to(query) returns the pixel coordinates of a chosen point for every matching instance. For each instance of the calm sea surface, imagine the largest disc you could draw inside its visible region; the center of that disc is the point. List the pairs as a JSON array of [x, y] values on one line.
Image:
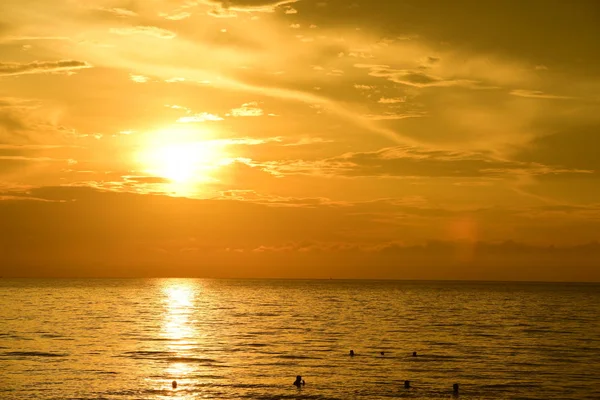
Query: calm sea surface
[[244, 339]]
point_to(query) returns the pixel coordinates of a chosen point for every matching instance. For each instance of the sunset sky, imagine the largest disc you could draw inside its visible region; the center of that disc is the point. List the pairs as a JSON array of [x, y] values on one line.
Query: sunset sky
[[401, 139]]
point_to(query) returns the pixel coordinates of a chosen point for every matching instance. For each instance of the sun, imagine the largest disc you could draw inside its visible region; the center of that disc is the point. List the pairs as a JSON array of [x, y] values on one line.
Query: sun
[[183, 162], [176, 162], [181, 156]]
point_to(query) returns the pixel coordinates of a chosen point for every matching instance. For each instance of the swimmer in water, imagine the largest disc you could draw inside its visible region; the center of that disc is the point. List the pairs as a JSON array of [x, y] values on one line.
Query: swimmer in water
[[299, 381], [351, 353]]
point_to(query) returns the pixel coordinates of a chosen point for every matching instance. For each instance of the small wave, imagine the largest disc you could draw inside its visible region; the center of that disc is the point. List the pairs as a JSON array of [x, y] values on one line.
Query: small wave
[[524, 364], [249, 385], [13, 336], [292, 357], [434, 357], [123, 392], [481, 334], [51, 336], [88, 398], [292, 396], [167, 392], [440, 343], [326, 367], [33, 354], [272, 364], [537, 330], [209, 377], [507, 386], [169, 356], [148, 355], [192, 360]]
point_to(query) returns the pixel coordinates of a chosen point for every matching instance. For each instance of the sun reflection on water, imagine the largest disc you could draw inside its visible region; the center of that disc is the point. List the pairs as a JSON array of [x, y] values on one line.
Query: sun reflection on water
[[179, 294], [178, 326], [179, 299]]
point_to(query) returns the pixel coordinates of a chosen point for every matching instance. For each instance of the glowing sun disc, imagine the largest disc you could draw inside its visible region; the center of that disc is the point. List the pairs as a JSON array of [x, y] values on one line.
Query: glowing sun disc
[[181, 159]]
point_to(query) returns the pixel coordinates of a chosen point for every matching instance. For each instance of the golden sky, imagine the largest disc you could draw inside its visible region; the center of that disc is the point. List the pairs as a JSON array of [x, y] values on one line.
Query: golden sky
[[300, 138]]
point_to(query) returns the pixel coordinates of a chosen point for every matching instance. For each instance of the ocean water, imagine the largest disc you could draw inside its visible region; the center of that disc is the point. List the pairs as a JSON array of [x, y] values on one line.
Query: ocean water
[[248, 339]]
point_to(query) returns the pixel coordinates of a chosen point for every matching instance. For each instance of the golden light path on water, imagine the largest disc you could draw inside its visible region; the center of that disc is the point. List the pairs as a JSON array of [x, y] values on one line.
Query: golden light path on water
[[178, 328]]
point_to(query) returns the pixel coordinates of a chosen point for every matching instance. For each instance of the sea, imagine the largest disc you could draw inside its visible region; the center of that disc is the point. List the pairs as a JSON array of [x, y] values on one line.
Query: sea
[[249, 339]]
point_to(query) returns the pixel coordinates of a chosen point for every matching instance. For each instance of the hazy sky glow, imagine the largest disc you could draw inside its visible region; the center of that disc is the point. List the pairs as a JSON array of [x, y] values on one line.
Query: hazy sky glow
[[297, 138]]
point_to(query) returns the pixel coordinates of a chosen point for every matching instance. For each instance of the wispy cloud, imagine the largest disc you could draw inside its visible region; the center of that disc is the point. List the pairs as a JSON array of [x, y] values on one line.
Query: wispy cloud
[[139, 78], [247, 110], [145, 30], [68, 161], [176, 16], [392, 100], [193, 117], [268, 6], [36, 67], [222, 13], [407, 162], [201, 117], [364, 87], [27, 37], [248, 141], [119, 12], [536, 94], [35, 146], [413, 77], [308, 141], [394, 115]]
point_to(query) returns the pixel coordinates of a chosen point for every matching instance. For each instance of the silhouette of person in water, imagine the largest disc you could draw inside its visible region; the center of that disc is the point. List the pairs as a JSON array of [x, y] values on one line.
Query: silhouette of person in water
[[299, 381], [174, 384], [455, 389], [382, 353], [351, 353], [414, 353]]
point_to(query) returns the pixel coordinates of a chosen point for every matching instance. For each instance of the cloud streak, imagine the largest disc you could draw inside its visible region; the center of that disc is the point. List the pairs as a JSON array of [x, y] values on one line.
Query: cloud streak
[[247, 110], [267, 6], [38, 67], [145, 30], [536, 94], [118, 12], [415, 78], [410, 162]]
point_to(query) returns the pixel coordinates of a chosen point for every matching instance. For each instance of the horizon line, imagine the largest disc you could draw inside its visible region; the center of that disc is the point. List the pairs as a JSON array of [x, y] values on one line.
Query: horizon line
[[295, 279]]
